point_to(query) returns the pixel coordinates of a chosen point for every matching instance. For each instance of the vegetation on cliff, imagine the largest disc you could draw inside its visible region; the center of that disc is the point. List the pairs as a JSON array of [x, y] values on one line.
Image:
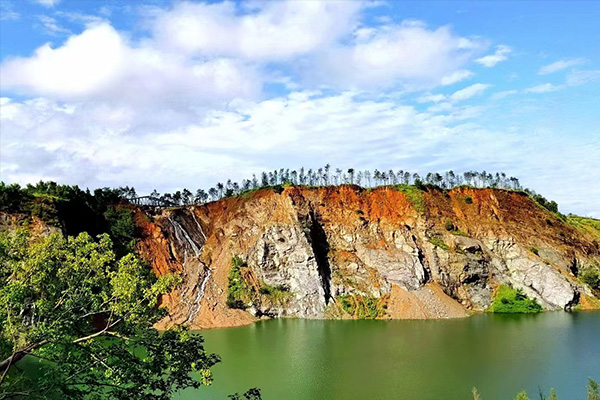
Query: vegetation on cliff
[[81, 319], [326, 176], [75, 210], [242, 294], [363, 306], [239, 293], [510, 301], [591, 277]]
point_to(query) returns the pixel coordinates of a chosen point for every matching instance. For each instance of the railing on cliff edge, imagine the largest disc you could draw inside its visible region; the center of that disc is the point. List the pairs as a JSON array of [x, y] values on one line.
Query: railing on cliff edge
[[151, 201]]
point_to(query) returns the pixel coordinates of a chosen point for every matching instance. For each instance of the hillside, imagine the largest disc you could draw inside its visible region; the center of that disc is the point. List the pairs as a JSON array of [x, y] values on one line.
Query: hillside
[[348, 252]]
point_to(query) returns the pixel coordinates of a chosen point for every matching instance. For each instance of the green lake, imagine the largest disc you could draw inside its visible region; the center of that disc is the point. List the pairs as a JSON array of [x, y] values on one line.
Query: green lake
[[411, 360]]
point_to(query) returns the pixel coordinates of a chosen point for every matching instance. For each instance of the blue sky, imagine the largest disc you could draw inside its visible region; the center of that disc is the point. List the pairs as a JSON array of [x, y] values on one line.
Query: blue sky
[[166, 95]]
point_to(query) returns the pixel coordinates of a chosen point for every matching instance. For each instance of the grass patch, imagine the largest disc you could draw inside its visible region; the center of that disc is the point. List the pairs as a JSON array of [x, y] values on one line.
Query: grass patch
[[363, 307], [590, 225], [241, 294], [511, 301], [276, 294], [439, 243], [414, 194]]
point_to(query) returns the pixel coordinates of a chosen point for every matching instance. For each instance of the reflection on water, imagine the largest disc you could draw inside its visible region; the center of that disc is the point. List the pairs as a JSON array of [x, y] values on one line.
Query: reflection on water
[[415, 360]]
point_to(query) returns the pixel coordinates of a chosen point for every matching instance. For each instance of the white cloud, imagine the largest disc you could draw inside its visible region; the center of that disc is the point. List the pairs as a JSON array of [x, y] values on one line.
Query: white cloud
[[99, 145], [408, 53], [468, 92], [7, 12], [456, 76], [187, 105], [48, 3], [576, 78], [101, 64], [560, 65], [273, 30], [51, 26], [504, 93], [542, 88], [431, 98], [501, 54]]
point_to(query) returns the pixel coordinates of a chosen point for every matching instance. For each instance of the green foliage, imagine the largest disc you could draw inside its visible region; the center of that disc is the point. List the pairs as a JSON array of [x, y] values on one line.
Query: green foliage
[[469, 200], [74, 210], [439, 243], [593, 390], [121, 229], [252, 394], [363, 307], [534, 250], [458, 232], [449, 225], [508, 300], [589, 225], [414, 194], [238, 294], [276, 295], [548, 205], [84, 319], [522, 396], [591, 277]]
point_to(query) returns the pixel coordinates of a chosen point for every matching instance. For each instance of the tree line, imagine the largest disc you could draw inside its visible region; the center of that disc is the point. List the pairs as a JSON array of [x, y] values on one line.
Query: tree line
[[327, 176]]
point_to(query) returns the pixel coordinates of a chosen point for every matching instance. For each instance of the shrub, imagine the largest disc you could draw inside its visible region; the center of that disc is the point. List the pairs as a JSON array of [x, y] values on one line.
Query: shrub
[[469, 200], [458, 232], [363, 307], [237, 288], [548, 205], [277, 294], [591, 277], [511, 301], [449, 225], [439, 243], [534, 250]]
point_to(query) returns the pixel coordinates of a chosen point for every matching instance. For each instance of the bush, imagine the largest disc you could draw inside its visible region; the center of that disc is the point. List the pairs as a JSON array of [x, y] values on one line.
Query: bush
[[277, 294], [449, 225], [439, 243], [534, 250], [363, 307], [511, 301], [548, 205], [591, 277], [237, 288], [469, 200]]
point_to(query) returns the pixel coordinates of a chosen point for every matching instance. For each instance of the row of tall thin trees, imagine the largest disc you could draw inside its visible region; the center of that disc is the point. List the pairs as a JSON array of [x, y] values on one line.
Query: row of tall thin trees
[[326, 176]]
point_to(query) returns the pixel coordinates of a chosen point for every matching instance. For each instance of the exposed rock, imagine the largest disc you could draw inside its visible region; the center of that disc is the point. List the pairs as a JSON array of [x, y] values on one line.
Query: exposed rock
[[327, 242]]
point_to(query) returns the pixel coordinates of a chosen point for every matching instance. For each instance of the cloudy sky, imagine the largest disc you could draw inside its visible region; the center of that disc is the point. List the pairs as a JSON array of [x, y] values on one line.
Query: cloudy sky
[[179, 94]]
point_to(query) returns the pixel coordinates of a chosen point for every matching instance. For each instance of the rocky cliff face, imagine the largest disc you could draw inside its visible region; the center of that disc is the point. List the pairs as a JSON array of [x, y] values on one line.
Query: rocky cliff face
[[433, 254]]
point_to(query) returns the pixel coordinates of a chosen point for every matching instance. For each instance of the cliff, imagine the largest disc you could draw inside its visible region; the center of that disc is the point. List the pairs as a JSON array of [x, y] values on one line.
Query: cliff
[[341, 252]]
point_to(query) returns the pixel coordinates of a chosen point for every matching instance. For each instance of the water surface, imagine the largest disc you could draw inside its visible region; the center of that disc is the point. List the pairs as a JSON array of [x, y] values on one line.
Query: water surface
[[412, 360]]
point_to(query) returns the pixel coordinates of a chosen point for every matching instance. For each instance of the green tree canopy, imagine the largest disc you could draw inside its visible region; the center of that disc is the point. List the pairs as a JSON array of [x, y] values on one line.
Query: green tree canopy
[[81, 320]]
